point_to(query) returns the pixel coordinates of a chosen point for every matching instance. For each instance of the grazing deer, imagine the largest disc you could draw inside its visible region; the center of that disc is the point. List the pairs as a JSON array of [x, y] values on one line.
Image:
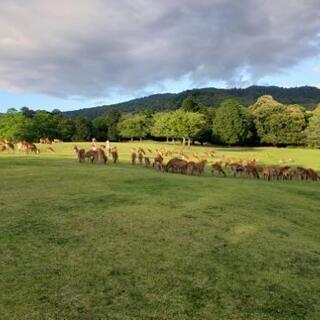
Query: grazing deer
[[50, 150], [146, 162], [268, 173], [217, 167], [133, 157], [199, 169], [7, 146], [81, 153], [191, 166], [114, 154], [140, 157], [312, 175]]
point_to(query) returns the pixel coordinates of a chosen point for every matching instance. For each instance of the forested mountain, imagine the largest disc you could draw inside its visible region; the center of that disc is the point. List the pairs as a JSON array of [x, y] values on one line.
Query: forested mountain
[[306, 96]]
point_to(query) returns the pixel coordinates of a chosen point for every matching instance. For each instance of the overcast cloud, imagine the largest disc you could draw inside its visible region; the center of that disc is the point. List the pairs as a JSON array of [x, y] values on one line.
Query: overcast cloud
[[95, 47]]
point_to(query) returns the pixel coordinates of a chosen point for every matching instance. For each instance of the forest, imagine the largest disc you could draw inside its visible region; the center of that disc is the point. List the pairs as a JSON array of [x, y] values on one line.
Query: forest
[[265, 122], [306, 96]]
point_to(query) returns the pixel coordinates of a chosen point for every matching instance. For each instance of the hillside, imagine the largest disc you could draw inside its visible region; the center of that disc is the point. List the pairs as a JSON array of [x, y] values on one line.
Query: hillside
[[306, 96]]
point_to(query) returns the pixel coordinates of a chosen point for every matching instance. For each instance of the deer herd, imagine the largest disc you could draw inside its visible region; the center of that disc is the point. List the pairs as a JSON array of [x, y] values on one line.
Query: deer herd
[[193, 165], [22, 146], [27, 147], [179, 162]]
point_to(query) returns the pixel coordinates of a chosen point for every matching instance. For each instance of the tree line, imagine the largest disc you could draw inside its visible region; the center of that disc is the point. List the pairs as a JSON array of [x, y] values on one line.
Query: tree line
[[266, 122]]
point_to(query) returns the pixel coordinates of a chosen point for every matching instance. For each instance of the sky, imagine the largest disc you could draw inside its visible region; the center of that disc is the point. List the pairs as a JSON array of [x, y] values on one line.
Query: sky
[[71, 54]]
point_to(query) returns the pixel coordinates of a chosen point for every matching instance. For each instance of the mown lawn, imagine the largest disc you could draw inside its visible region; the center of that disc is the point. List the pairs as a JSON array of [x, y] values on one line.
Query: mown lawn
[[123, 242]]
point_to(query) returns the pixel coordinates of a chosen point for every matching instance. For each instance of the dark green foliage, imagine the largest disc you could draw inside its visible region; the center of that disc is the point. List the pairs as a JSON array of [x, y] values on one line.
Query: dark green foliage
[[28, 113], [231, 124], [135, 126], [82, 129], [15, 126], [313, 130], [100, 128], [189, 105], [278, 124], [65, 128], [267, 121], [306, 96], [45, 125]]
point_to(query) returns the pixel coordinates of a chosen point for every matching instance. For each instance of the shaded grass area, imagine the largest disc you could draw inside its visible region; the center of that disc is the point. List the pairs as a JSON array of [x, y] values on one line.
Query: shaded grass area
[[122, 242]]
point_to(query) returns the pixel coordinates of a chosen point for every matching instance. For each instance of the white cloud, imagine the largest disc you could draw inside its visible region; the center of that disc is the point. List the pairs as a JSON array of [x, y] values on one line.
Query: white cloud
[[95, 47]]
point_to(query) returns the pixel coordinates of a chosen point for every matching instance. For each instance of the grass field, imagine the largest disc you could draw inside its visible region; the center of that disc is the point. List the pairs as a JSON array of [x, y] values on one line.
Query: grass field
[[80, 241]]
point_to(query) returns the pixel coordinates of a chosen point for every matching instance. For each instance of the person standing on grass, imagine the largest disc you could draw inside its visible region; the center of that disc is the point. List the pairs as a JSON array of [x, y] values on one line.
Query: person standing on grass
[[108, 147], [94, 144]]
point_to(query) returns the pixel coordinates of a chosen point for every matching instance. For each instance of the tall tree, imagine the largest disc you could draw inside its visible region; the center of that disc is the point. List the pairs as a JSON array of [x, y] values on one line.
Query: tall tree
[[278, 124], [186, 125], [232, 123], [82, 129], [45, 125], [28, 113], [113, 117], [313, 129], [15, 126], [134, 126], [162, 125], [100, 128], [189, 105], [65, 128]]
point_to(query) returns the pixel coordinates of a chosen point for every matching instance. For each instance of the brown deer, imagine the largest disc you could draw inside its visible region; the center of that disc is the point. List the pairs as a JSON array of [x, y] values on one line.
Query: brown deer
[[199, 169], [146, 162], [81, 153], [8, 146], [217, 167], [114, 154], [133, 157], [191, 166], [140, 156]]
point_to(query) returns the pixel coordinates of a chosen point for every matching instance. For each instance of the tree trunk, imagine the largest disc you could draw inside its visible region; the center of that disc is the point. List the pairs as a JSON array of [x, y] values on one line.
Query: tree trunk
[[189, 143], [173, 141], [131, 139], [140, 139], [183, 141], [167, 139]]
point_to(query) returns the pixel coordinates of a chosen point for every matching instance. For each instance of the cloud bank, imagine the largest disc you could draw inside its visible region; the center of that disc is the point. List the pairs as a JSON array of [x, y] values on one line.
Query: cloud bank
[[97, 47]]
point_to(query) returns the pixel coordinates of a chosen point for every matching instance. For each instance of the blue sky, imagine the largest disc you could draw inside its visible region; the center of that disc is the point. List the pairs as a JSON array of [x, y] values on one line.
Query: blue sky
[[79, 54]]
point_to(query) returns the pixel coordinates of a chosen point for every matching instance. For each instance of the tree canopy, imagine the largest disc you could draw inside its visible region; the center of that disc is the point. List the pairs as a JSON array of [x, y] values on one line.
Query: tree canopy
[[266, 122], [134, 126], [232, 123]]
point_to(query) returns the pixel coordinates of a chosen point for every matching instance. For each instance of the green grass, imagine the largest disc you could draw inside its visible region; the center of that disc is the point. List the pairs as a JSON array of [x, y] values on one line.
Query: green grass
[[80, 241]]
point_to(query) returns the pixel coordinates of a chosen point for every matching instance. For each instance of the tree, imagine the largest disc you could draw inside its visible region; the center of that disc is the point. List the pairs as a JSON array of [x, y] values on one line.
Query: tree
[[44, 125], [278, 124], [232, 123], [162, 125], [28, 113], [65, 128], [15, 126], [186, 125], [82, 129], [289, 126], [189, 105], [313, 129], [100, 128], [113, 117], [134, 126], [205, 135]]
